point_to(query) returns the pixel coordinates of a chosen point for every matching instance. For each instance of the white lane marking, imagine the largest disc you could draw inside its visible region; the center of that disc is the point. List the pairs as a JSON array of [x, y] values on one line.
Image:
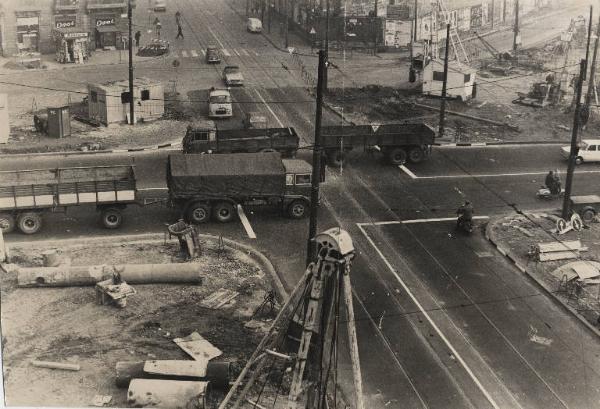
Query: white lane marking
[[215, 36], [226, 53], [236, 51], [194, 53], [245, 52], [412, 221], [269, 108], [255, 53], [203, 52], [413, 176], [431, 322], [184, 53], [408, 172], [245, 222]]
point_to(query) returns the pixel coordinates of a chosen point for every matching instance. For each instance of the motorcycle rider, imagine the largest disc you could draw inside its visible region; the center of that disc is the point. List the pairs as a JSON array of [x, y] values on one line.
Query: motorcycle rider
[[557, 184], [465, 213], [551, 182]]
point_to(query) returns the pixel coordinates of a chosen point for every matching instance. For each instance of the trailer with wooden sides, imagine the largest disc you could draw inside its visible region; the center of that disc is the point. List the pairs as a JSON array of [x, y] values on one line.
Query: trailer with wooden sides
[[397, 142], [25, 195]]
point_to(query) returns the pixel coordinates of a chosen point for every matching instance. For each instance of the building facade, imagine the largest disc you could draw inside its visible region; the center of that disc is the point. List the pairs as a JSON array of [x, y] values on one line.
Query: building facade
[[40, 26]]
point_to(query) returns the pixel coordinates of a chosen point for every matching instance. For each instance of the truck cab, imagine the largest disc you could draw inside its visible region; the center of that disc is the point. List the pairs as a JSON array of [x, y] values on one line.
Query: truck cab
[[219, 103], [201, 136]]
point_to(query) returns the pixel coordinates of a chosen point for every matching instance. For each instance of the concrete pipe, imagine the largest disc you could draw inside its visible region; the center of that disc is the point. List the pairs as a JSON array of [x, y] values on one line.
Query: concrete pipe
[[51, 258], [65, 275], [167, 394]]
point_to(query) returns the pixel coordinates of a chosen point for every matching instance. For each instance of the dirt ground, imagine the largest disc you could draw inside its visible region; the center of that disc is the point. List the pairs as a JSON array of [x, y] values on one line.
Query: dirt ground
[[541, 229], [66, 324]]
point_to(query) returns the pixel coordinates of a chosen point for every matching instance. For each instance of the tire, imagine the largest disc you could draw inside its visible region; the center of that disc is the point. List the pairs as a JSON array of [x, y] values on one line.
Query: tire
[[7, 222], [578, 160], [29, 222], [112, 218], [298, 209], [224, 212], [397, 156], [198, 213], [416, 155], [588, 215], [335, 158]]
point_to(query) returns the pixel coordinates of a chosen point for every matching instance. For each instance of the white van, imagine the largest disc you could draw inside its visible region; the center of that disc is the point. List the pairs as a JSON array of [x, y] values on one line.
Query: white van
[[219, 103], [254, 25]]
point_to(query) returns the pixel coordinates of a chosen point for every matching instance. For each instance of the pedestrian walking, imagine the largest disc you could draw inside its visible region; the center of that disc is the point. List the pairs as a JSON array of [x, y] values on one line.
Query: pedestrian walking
[[138, 34], [179, 32], [178, 18], [158, 27]]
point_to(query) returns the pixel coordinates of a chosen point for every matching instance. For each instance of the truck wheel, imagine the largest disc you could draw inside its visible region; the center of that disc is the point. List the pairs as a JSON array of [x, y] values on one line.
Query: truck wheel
[[111, 218], [416, 155], [297, 209], [588, 215], [397, 156], [29, 222], [7, 222], [335, 158], [198, 213], [223, 212]]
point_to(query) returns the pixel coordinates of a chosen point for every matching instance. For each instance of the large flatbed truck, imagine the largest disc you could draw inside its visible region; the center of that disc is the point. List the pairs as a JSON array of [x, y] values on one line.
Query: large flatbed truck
[[397, 142], [204, 137], [201, 186]]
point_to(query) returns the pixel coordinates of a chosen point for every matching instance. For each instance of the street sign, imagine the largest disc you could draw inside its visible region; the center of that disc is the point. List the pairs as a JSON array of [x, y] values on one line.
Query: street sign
[[313, 31], [291, 50], [375, 127]]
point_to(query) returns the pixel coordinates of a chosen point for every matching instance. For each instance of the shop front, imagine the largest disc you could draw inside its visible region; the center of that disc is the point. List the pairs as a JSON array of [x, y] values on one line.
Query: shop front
[[72, 45], [28, 31], [107, 31]]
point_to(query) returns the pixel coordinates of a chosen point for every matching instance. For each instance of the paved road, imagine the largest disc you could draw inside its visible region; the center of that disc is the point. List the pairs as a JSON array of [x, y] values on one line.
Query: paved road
[[459, 332]]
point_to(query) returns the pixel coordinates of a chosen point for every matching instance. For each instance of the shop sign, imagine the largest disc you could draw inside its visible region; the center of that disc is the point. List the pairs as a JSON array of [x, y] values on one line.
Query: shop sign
[[63, 23], [105, 22], [75, 35]]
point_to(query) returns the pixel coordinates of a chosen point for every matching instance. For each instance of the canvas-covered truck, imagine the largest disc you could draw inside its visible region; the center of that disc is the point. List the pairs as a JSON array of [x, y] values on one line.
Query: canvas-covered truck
[[397, 142], [205, 137], [201, 186], [25, 195]]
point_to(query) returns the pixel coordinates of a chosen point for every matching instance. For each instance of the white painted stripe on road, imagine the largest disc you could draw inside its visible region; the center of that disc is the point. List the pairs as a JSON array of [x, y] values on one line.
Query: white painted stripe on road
[[203, 52], [255, 53], [408, 172], [215, 36], [226, 53], [236, 51], [194, 53], [269, 108], [412, 221], [431, 322], [245, 52], [245, 222], [184, 53]]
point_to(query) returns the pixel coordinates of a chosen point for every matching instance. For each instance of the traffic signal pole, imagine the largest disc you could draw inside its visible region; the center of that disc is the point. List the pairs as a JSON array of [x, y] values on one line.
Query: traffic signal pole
[[131, 105], [444, 84]]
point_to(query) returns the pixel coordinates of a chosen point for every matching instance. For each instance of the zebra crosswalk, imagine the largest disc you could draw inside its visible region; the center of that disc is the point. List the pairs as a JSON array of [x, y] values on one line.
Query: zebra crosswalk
[[191, 53]]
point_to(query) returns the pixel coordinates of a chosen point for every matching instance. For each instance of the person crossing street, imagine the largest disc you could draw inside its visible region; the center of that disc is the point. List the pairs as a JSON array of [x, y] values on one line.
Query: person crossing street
[[179, 32]]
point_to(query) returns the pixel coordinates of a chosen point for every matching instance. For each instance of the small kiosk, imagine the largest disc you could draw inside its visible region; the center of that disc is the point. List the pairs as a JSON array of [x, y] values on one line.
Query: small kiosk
[[72, 45]]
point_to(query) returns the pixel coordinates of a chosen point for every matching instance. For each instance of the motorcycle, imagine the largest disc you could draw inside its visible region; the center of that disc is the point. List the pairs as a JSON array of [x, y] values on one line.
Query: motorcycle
[[464, 225], [544, 193]]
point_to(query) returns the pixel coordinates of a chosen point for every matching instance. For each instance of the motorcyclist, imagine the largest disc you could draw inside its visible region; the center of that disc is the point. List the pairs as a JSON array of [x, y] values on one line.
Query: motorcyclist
[[557, 184], [465, 213], [551, 182]]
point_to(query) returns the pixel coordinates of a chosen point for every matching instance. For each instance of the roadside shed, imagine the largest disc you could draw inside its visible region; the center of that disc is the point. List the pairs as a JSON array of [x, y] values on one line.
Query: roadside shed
[[109, 102], [461, 79]]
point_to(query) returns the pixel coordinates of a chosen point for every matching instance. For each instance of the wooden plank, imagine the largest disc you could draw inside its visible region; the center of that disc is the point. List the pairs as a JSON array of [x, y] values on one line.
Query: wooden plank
[[177, 368], [559, 246], [197, 347], [558, 255]]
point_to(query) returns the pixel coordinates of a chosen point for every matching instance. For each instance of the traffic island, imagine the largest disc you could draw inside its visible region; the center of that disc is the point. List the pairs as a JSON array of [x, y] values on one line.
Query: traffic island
[[68, 328], [564, 265]]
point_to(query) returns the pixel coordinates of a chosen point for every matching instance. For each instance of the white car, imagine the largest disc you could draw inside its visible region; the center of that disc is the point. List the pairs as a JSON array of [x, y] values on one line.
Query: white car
[[220, 104], [233, 76], [160, 5], [254, 25], [589, 151]]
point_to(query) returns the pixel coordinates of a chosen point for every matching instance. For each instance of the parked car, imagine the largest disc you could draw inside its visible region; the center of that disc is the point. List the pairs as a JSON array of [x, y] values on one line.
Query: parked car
[[232, 76], [212, 55], [219, 103], [589, 151], [254, 25], [160, 5]]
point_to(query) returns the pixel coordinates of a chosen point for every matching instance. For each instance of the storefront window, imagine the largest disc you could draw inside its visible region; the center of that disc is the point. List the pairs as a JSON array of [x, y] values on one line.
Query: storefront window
[[28, 32]]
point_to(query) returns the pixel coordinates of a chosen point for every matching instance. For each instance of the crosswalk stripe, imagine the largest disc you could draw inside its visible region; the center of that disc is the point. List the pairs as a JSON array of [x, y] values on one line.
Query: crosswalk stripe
[[184, 54], [203, 52], [255, 53], [236, 51], [245, 52], [227, 54], [194, 53]]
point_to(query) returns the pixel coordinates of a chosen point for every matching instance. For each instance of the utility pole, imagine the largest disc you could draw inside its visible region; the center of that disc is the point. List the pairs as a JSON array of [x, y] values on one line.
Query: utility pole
[[375, 29], [574, 148], [325, 74], [503, 11], [587, 48], [286, 24], [131, 105], [316, 164], [492, 16], [262, 11], [591, 86], [443, 107], [269, 16], [247, 7], [516, 38]]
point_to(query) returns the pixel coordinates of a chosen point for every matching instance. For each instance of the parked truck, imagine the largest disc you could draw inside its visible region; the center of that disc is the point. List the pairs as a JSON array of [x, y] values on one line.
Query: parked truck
[[26, 194], [204, 185], [397, 142], [205, 137]]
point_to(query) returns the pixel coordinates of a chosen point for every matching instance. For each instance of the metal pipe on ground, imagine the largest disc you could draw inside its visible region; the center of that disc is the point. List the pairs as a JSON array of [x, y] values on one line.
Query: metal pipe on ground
[[66, 275], [167, 394]]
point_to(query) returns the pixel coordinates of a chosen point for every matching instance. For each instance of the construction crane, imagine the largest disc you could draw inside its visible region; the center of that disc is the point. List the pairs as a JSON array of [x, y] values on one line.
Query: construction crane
[[305, 374]]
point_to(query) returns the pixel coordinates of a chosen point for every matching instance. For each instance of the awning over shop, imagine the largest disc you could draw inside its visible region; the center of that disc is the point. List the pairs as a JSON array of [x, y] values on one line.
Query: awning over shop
[[107, 29], [69, 32]]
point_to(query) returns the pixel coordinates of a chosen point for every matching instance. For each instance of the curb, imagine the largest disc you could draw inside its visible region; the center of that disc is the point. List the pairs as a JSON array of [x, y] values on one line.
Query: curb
[[263, 262], [491, 237], [71, 153]]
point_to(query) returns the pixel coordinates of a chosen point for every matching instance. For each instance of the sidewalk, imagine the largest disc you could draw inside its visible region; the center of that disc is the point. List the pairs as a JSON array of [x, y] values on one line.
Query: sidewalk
[[573, 283]]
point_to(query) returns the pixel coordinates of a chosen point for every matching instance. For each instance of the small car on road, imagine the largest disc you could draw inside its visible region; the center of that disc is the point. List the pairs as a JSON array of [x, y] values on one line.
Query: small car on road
[[160, 5], [232, 75], [219, 103], [589, 151], [254, 25], [212, 55]]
